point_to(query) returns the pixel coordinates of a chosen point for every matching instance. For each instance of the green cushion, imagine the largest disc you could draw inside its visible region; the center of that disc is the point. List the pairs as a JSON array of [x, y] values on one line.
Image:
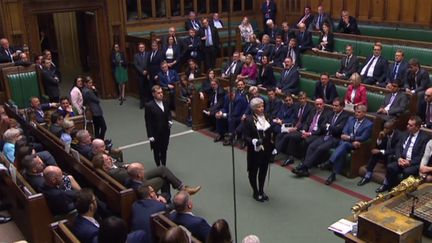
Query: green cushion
[[375, 100], [415, 34], [341, 90], [308, 86], [318, 64], [22, 87]]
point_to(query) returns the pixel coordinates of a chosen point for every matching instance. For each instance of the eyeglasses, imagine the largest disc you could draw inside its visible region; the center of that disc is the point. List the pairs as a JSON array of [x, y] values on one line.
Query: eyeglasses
[[376, 49]]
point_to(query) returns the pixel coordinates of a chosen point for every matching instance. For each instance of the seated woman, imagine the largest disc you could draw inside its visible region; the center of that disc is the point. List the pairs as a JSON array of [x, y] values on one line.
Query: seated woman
[[206, 86], [65, 108], [10, 137], [249, 71], [326, 39], [192, 71], [356, 93], [266, 77], [68, 127]]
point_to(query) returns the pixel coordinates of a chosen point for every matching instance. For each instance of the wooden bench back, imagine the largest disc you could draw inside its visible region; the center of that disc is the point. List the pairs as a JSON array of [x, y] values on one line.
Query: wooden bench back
[[161, 224], [62, 234]]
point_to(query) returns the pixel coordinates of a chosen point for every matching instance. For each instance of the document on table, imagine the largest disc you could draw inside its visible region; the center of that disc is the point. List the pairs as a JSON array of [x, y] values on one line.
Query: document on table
[[342, 226]]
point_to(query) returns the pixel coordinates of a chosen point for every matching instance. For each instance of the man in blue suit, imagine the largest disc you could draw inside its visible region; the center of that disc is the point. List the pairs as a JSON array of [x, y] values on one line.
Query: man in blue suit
[[85, 227], [167, 79], [357, 130], [290, 79], [409, 152], [148, 203], [183, 215], [375, 68]]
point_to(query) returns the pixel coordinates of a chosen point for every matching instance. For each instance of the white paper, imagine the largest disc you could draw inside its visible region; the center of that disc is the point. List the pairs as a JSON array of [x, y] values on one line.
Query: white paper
[[342, 226]]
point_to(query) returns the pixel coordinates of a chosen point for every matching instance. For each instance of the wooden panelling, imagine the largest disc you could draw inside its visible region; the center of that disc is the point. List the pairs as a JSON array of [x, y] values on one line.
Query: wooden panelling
[[393, 10], [336, 7], [353, 6], [377, 10], [408, 12], [423, 12], [364, 9]]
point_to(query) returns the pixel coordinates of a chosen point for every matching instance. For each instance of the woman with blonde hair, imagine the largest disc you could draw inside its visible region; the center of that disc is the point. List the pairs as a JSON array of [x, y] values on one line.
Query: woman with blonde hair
[[249, 71]]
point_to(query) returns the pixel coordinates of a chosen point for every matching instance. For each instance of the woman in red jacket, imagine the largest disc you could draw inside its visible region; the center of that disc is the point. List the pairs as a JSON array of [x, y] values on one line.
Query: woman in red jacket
[[356, 93]]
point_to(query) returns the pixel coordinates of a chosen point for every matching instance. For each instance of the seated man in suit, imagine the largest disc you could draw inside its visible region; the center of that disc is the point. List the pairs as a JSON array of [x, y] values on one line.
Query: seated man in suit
[[348, 24], [398, 70], [384, 150], [183, 216], [320, 146], [349, 63], [192, 22], [234, 67], [307, 17], [38, 109], [319, 19], [425, 170], [290, 79], [56, 126], [325, 89], [263, 49], [357, 130], [167, 80], [65, 108], [417, 80], [286, 33], [279, 53], [304, 38], [425, 110], [216, 99], [306, 134], [395, 102], [272, 31], [374, 70], [409, 152], [273, 104], [7, 53], [293, 51], [285, 116], [148, 203], [84, 146], [33, 167], [85, 227]]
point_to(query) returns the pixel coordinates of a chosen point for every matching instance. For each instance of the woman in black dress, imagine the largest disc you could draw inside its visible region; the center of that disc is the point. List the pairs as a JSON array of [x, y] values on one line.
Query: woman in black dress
[[257, 134]]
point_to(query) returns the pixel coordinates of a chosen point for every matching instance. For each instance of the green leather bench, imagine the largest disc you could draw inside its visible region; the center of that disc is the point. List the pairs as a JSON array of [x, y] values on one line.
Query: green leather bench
[[319, 64], [415, 34]]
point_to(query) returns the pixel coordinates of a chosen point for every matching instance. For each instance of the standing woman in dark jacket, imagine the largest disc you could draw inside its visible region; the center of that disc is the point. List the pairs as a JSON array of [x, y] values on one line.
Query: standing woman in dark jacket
[[119, 69], [172, 54], [91, 100], [326, 39], [266, 77], [257, 134]]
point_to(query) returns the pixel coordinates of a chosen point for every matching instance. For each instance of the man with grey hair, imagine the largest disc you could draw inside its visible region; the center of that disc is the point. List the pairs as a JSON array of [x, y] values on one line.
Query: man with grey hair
[[10, 136], [272, 31], [357, 130], [183, 215], [251, 239], [84, 143]]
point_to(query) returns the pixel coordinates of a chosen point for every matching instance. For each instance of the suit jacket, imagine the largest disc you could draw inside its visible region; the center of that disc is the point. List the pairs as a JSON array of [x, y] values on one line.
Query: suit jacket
[[419, 81], [294, 53], [177, 41], [157, 124], [394, 141], [177, 53], [360, 97], [154, 63], [399, 105], [91, 100], [306, 110], [189, 25], [380, 71], [250, 48], [269, 12], [119, 173], [196, 225], [141, 212], [287, 113], [307, 21], [214, 34], [324, 18], [278, 55], [212, 23], [272, 33], [350, 67], [335, 129], [239, 107], [196, 72], [51, 85], [263, 50], [5, 58], [330, 42], [401, 74], [165, 79], [363, 132], [84, 230], [286, 36], [304, 41], [289, 82], [330, 93], [56, 130], [141, 62], [418, 148], [237, 69], [35, 181], [266, 77], [59, 201], [272, 108], [351, 28], [220, 98], [192, 48], [322, 120], [422, 113]]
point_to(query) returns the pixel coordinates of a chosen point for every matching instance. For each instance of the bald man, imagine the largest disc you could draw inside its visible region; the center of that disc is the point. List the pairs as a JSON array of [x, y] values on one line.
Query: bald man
[[7, 53], [304, 38], [425, 109]]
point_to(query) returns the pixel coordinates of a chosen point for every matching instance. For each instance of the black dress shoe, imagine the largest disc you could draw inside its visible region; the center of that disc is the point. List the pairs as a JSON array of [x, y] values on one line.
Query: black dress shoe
[[265, 197], [363, 181], [382, 188], [326, 165], [302, 173], [330, 179], [4, 219], [258, 197], [288, 162], [218, 138]]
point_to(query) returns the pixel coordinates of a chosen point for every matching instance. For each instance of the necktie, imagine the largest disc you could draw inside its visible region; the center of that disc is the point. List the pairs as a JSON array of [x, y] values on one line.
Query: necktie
[[368, 67], [356, 126], [318, 24], [9, 53], [152, 55], [392, 99], [168, 77], [325, 93], [314, 122], [286, 73], [347, 61], [388, 146], [406, 147], [299, 117], [428, 113], [395, 70], [301, 35], [327, 136]]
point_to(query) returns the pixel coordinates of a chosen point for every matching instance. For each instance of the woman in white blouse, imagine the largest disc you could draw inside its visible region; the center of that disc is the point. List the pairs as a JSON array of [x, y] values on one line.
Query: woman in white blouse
[[172, 54], [246, 29], [76, 95]]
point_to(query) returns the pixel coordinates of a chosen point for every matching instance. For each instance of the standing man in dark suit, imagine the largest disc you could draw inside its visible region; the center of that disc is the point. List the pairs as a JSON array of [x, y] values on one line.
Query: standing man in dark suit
[[192, 22], [286, 33], [293, 51], [384, 150], [92, 100], [325, 89], [210, 44], [320, 146], [395, 102], [319, 19], [290, 78], [268, 9], [141, 60], [158, 125], [216, 21], [349, 63], [50, 82], [409, 153], [398, 70], [217, 99], [357, 130], [375, 68], [417, 80], [183, 216], [7, 53], [304, 38], [279, 53], [192, 47], [307, 17], [156, 57], [425, 111], [233, 68], [171, 33], [348, 24]]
